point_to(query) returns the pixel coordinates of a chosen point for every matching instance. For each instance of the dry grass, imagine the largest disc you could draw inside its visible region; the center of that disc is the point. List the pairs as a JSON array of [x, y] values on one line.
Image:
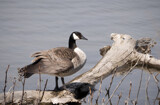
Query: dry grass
[[92, 100]]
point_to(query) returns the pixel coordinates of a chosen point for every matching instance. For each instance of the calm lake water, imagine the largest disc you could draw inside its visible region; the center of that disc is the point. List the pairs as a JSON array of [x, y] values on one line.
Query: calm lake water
[[27, 26]]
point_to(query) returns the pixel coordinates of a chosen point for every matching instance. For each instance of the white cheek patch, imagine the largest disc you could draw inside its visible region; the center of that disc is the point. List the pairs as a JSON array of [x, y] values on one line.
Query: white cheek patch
[[75, 36]]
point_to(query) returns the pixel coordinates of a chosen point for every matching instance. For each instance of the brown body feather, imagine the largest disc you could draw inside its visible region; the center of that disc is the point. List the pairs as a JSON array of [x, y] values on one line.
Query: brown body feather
[[55, 61]]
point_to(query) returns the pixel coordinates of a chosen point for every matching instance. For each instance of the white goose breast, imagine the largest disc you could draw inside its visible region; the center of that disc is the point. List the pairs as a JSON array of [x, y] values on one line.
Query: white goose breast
[[82, 56]]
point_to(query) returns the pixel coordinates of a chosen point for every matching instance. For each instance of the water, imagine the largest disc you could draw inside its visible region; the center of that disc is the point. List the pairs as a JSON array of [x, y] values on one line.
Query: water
[[27, 26]]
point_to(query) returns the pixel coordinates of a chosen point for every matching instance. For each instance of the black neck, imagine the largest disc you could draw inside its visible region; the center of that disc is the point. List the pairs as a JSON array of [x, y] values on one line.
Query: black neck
[[72, 43]]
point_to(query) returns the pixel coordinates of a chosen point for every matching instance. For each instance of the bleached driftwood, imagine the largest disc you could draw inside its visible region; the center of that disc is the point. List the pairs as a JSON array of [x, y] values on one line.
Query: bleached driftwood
[[124, 55]]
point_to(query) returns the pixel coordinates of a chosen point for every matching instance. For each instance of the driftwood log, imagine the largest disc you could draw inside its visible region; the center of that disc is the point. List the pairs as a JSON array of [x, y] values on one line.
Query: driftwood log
[[124, 55]]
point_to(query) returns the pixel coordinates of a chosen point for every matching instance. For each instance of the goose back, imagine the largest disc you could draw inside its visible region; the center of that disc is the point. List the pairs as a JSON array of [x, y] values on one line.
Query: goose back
[[57, 61]]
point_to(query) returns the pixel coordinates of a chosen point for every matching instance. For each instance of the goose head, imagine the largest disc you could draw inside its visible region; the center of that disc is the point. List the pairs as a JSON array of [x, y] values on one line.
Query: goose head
[[78, 36], [73, 37]]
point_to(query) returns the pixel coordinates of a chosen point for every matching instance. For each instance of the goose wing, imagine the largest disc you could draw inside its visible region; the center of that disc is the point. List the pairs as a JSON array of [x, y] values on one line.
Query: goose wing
[[54, 61]]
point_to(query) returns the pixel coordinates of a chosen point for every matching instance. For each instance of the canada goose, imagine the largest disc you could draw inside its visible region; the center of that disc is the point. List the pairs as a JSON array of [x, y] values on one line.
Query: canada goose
[[60, 62]]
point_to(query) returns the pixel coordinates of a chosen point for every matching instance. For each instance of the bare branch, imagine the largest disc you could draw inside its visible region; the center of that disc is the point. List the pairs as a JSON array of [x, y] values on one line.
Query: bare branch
[[119, 97], [5, 85], [23, 84], [147, 83], [130, 90], [14, 84], [113, 75], [122, 81], [99, 92], [129, 94], [91, 95], [39, 84], [44, 90], [139, 87], [108, 90]]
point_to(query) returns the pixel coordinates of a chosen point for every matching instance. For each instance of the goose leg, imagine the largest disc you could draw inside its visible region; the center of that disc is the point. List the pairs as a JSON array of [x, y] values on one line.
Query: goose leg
[[62, 79], [56, 88]]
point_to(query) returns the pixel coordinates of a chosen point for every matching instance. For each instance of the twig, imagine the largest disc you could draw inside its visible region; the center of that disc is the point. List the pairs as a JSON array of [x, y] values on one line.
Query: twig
[[126, 102], [44, 90], [130, 90], [156, 75], [157, 92], [109, 100], [99, 92], [156, 81], [103, 101], [23, 83], [5, 85], [14, 84], [119, 97], [157, 97], [108, 90], [91, 95], [155, 78], [39, 84], [134, 102], [39, 78], [84, 100], [122, 80], [140, 82], [110, 83], [129, 94], [118, 86], [147, 90]]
